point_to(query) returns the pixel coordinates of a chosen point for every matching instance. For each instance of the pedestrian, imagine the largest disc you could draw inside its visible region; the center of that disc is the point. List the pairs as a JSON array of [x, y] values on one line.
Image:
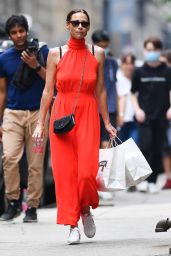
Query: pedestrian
[[101, 38], [75, 154], [166, 57], [19, 111], [151, 85], [125, 111]]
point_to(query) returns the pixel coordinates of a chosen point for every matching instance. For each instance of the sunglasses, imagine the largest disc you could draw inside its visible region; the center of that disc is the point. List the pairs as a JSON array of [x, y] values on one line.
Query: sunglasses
[[76, 23]]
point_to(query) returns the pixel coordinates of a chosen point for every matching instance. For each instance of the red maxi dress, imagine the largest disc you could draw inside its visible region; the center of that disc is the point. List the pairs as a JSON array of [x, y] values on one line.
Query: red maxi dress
[[74, 155]]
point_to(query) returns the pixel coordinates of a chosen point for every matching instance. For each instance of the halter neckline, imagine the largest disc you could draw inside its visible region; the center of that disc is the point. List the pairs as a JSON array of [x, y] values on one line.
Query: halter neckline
[[76, 44]]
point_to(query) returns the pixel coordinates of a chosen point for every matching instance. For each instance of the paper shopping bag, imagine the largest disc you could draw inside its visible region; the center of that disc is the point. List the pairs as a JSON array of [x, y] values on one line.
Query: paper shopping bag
[[117, 177], [136, 166], [111, 173], [105, 163]]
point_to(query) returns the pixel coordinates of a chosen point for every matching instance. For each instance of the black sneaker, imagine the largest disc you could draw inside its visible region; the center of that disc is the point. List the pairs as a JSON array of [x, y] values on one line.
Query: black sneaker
[[31, 215], [12, 211]]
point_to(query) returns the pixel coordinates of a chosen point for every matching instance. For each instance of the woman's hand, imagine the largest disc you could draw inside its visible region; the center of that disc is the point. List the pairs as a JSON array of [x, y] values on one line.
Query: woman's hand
[[111, 130], [38, 133]]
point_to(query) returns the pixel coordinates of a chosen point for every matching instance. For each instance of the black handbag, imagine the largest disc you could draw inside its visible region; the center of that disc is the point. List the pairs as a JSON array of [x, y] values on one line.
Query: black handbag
[[66, 123]]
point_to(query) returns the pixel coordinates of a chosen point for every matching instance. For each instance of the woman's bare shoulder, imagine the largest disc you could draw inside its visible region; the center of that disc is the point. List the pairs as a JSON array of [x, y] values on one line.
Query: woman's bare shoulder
[[54, 53], [98, 52], [53, 56], [56, 50]]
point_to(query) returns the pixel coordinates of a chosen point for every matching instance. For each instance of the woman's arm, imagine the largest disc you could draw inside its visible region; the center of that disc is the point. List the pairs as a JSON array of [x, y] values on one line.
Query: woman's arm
[[48, 91], [101, 93]]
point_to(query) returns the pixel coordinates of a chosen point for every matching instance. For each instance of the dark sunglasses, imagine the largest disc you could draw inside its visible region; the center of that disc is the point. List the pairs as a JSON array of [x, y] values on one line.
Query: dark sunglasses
[[76, 23]]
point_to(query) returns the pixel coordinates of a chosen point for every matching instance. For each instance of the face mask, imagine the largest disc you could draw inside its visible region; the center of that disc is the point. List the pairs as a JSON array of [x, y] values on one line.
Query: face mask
[[106, 51], [152, 56]]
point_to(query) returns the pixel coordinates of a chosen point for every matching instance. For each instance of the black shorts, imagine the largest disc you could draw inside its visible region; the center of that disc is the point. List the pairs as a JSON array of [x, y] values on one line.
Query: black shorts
[[104, 136]]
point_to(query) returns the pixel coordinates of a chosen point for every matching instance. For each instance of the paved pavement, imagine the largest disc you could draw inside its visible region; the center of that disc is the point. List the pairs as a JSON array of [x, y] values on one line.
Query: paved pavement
[[125, 229]]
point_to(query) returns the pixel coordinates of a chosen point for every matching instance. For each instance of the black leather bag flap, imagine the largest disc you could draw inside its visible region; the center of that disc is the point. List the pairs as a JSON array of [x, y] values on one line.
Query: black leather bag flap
[[64, 124]]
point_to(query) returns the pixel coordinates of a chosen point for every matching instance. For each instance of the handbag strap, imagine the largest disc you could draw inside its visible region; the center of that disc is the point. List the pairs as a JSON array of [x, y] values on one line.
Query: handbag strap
[[93, 50], [81, 82]]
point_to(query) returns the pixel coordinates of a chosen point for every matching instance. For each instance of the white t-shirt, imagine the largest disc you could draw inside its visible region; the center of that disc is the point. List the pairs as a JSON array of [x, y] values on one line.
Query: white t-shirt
[[123, 87]]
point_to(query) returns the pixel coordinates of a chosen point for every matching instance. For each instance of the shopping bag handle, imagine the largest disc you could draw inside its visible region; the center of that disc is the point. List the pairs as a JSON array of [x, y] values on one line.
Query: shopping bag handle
[[115, 142], [119, 139], [110, 143]]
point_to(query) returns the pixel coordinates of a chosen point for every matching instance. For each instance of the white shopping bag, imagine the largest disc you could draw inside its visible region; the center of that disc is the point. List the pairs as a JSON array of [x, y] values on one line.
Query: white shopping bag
[[105, 163], [136, 166], [117, 177], [111, 173]]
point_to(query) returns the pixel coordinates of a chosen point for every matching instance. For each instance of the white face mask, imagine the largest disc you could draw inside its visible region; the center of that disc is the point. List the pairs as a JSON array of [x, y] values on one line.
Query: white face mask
[[106, 51]]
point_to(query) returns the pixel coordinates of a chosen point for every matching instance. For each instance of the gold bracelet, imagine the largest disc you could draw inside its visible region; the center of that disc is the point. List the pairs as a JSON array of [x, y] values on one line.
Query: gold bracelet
[[108, 124]]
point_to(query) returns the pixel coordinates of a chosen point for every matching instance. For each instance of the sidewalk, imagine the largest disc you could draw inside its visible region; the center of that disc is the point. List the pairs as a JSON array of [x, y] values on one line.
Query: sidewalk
[[127, 229]]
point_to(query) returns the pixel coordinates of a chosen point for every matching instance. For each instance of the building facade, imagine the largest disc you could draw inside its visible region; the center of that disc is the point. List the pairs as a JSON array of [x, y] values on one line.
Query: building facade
[[48, 17], [128, 22]]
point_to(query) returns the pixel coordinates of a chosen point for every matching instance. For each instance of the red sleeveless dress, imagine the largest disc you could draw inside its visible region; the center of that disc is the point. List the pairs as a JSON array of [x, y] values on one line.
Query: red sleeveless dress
[[74, 155]]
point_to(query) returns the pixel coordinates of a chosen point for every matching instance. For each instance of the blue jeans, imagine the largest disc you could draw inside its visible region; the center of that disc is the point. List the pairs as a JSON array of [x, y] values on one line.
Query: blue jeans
[[129, 130]]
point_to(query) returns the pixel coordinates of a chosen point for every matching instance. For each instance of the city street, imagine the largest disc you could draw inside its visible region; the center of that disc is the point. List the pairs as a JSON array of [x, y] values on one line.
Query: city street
[[125, 229], [64, 64]]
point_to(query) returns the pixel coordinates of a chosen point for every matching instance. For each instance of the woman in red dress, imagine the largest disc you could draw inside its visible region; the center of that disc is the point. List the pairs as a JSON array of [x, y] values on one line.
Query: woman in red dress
[[74, 154]]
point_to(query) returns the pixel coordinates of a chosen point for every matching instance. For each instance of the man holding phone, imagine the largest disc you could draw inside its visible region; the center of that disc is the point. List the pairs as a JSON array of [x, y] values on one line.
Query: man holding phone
[[19, 110]]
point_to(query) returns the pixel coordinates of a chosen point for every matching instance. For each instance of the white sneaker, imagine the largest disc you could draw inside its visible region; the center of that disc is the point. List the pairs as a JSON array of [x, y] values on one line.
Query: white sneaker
[[74, 236], [143, 186], [105, 195], [88, 224], [152, 188]]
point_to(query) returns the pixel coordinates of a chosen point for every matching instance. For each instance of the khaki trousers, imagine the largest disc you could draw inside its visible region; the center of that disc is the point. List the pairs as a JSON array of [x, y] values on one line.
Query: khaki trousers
[[18, 127]]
